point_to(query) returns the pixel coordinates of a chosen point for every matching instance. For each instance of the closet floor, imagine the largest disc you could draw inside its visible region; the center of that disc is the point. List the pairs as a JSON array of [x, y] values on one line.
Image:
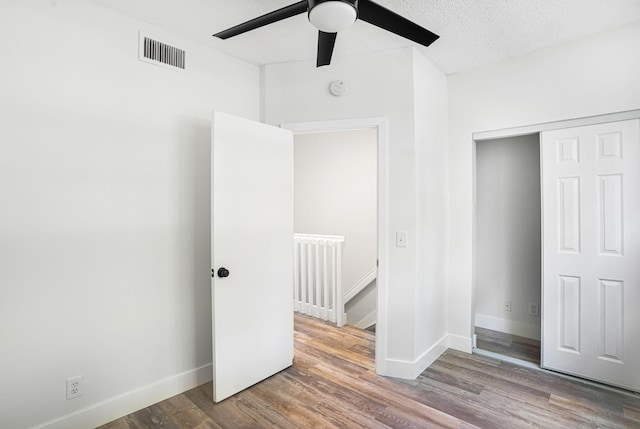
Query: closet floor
[[508, 345]]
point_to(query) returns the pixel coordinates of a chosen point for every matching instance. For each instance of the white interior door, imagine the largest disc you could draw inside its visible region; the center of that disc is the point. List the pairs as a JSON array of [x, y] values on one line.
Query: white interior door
[[252, 239], [591, 252]]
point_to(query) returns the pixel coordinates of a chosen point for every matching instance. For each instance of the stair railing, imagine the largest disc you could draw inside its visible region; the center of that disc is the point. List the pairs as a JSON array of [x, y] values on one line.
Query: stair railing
[[317, 288]]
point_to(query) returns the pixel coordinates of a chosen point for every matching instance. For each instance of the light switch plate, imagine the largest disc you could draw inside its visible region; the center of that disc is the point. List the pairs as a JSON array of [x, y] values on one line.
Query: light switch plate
[[401, 239]]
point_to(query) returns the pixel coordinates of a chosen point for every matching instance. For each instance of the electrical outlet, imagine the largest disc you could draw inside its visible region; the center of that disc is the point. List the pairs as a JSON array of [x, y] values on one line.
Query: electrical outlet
[[534, 309], [75, 387], [507, 306]]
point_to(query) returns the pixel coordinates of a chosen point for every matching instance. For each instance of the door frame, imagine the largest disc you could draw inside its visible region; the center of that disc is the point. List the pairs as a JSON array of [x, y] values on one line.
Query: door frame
[[380, 124], [516, 132]]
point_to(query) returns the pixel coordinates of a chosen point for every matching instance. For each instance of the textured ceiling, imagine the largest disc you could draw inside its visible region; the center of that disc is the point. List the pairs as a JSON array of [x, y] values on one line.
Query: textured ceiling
[[472, 32]]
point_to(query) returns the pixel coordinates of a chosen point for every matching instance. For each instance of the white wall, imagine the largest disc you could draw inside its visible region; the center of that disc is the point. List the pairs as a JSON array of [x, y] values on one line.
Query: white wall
[[508, 234], [592, 76], [379, 84], [431, 118], [335, 193], [104, 223]]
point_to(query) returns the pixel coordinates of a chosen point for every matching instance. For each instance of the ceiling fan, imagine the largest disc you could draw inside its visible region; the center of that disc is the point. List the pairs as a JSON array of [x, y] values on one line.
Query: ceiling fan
[[333, 16]]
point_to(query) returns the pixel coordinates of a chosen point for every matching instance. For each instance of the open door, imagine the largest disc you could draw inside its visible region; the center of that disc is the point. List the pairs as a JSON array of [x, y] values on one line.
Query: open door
[[251, 252], [591, 252]]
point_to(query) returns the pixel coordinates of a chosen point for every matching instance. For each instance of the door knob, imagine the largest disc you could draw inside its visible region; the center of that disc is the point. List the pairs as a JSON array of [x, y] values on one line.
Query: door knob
[[223, 272]]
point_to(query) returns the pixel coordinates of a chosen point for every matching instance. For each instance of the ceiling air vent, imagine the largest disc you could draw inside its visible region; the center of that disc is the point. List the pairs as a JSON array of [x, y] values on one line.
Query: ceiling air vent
[[159, 53]]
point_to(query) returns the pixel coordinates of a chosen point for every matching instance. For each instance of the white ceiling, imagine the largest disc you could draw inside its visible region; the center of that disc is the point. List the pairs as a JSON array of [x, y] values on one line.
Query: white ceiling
[[472, 32]]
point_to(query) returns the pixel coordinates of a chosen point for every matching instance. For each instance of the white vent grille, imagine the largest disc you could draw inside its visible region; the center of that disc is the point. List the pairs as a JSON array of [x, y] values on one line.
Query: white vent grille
[[159, 53]]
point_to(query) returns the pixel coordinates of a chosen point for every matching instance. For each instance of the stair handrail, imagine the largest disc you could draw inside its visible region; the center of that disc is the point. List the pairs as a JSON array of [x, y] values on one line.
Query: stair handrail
[[359, 286]]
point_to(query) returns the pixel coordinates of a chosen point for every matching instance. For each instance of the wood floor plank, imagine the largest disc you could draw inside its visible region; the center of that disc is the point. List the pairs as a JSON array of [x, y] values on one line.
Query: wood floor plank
[[517, 391], [388, 391], [184, 413], [632, 413], [333, 384], [514, 346], [356, 405], [286, 399], [542, 381], [595, 416], [465, 406], [225, 414], [593, 406], [153, 416], [453, 378]]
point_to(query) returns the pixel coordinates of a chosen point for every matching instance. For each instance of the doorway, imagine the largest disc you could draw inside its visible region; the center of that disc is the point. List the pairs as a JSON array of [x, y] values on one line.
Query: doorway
[[508, 247], [380, 126], [335, 194]]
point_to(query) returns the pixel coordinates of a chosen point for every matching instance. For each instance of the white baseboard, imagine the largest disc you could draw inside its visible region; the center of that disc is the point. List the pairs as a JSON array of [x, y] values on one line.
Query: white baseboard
[[367, 320], [113, 408], [508, 326], [409, 370], [460, 343]]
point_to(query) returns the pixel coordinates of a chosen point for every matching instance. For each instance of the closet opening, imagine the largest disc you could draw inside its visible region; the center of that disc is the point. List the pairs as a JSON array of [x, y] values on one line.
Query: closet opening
[[508, 248]]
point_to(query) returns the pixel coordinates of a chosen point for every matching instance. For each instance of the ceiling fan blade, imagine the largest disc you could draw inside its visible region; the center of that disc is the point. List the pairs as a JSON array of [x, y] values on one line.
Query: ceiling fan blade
[[271, 17], [326, 42], [382, 17]]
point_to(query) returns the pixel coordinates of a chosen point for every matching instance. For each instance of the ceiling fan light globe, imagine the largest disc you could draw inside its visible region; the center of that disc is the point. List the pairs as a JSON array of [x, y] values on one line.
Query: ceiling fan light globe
[[333, 16]]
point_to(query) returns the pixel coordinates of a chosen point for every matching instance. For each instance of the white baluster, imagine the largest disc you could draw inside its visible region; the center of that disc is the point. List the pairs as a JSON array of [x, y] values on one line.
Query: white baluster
[[333, 281], [318, 283], [339, 293], [296, 275], [310, 280], [303, 276], [325, 283]]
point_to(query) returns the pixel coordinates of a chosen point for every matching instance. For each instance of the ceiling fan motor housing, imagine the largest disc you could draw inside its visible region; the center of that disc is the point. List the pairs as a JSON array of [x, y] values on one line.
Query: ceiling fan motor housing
[[332, 16], [313, 3]]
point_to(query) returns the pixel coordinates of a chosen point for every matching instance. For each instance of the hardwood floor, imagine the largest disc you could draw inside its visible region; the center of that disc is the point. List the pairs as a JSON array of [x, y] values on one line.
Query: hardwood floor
[[509, 345], [332, 384]]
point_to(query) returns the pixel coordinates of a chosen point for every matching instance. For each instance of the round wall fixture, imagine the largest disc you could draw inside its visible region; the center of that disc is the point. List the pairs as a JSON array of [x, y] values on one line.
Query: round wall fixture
[[338, 88]]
